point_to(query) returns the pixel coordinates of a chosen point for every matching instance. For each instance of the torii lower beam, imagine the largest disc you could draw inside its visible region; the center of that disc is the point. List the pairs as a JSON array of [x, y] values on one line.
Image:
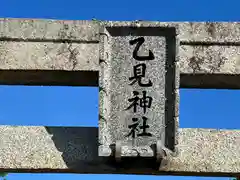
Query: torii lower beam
[[203, 152]]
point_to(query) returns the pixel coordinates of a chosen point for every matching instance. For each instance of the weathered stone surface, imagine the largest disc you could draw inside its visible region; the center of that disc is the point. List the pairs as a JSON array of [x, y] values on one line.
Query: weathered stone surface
[[48, 56], [73, 56], [219, 32], [49, 63], [28, 147], [40, 29], [207, 150], [88, 30], [209, 66], [73, 149], [209, 59], [202, 66]]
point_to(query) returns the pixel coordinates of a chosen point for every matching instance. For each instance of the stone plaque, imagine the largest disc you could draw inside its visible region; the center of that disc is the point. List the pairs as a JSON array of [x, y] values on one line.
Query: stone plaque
[[137, 89]]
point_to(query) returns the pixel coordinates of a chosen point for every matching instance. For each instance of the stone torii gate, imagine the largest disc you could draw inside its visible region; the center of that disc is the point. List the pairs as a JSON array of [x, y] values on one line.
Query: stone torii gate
[[56, 52]]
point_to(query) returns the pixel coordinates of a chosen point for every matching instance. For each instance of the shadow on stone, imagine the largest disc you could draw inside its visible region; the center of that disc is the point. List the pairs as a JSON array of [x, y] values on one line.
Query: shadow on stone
[[49, 78], [79, 147]]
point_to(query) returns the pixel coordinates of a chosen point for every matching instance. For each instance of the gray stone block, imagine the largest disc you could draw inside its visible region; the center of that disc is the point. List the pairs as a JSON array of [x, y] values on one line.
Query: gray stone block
[[89, 30], [207, 151], [48, 56], [209, 66], [202, 152], [209, 60], [119, 122], [218, 32], [49, 63], [40, 29]]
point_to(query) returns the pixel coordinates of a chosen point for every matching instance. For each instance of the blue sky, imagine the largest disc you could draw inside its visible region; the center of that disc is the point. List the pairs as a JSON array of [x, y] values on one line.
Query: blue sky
[[67, 106]]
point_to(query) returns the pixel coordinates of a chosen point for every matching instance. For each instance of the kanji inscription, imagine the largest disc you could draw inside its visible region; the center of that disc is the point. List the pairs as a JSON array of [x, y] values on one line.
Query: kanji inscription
[[136, 79]]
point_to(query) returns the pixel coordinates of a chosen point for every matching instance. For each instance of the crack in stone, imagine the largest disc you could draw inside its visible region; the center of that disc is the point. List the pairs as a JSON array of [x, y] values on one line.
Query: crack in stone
[[73, 55], [215, 62], [73, 51], [195, 61], [211, 29]]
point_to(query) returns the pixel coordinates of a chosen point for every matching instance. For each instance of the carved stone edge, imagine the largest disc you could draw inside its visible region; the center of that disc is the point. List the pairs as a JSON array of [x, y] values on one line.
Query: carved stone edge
[[103, 94], [190, 31], [139, 23], [177, 94]]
